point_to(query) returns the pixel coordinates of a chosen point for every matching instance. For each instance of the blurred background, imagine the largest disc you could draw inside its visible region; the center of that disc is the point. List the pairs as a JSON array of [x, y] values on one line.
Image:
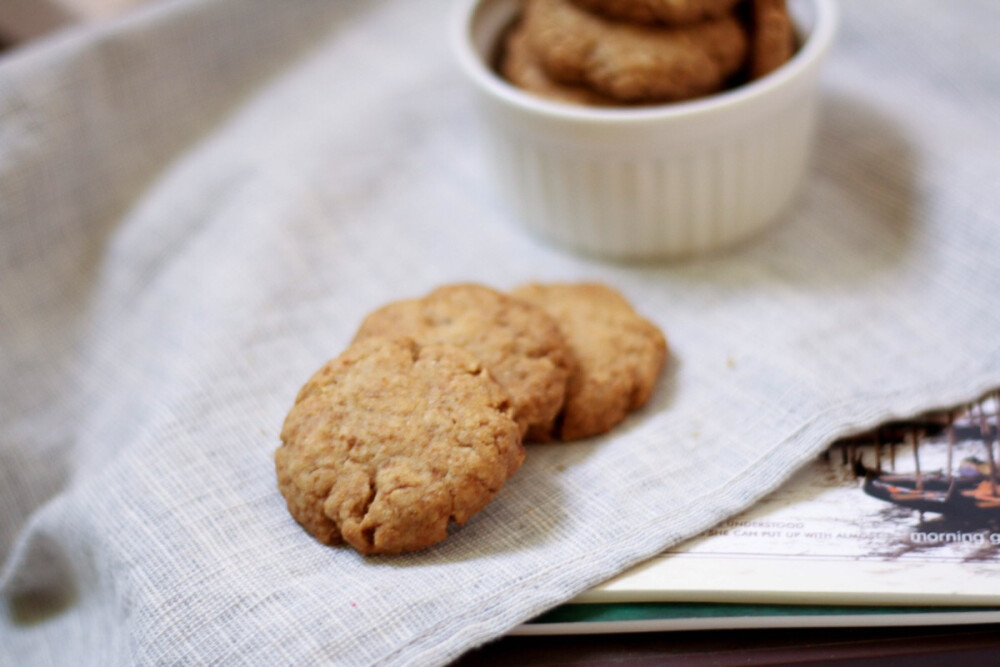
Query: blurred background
[[24, 20]]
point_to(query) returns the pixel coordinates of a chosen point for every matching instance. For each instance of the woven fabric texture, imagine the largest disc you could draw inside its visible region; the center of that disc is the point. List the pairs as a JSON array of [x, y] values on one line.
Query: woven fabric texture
[[200, 202]]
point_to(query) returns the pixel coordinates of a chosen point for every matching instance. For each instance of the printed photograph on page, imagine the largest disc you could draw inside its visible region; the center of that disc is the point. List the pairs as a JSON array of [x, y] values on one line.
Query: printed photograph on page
[[908, 513]]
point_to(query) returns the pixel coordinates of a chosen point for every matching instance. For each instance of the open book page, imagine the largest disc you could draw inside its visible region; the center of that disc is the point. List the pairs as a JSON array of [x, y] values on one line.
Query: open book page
[[906, 515]]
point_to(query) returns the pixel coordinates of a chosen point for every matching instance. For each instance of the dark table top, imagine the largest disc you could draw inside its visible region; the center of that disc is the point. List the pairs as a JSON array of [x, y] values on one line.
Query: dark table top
[[909, 646]]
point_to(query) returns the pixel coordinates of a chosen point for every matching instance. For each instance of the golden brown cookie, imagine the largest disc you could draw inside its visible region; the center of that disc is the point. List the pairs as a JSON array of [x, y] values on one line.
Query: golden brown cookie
[[618, 355], [632, 62], [673, 12], [519, 343], [391, 441], [773, 37], [520, 67]]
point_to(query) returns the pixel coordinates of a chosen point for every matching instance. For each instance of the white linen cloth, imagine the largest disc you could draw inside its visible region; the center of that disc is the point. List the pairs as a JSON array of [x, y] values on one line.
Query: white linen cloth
[[199, 203]]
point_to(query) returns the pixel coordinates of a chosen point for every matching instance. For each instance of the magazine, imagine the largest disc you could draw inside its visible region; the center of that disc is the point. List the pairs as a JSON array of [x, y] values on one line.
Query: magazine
[[908, 514], [898, 526], [598, 618]]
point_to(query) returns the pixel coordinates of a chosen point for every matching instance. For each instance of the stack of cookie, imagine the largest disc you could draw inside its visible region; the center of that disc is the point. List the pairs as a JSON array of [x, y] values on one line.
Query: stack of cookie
[[633, 52], [421, 420]]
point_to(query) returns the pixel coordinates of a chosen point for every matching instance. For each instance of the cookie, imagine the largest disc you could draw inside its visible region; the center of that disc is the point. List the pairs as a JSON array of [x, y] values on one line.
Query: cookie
[[519, 66], [391, 441], [632, 62], [773, 40], [618, 355], [519, 343], [673, 12]]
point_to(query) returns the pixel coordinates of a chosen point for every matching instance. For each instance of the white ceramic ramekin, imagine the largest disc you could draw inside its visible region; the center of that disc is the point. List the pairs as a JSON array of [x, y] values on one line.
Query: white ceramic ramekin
[[652, 182]]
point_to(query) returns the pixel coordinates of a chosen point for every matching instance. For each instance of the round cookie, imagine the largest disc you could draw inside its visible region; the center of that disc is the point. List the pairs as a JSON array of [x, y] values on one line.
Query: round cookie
[[520, 67], [391, 441], [773, 40], [633, 62], [673, 12], [618, 355], [519, 343]]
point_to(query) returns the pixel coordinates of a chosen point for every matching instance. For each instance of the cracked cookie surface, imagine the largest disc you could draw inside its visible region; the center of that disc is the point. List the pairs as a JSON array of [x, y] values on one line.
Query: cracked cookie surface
[[391, 441], [633, 62], [519, 343], [618, 355]]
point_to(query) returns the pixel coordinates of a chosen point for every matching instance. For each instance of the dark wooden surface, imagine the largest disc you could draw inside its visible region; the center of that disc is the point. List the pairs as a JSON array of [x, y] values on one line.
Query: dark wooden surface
[[955, 646]]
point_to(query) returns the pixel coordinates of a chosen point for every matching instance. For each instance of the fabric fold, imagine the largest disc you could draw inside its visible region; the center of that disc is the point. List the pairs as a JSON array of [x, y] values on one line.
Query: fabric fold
[[200, 202]]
